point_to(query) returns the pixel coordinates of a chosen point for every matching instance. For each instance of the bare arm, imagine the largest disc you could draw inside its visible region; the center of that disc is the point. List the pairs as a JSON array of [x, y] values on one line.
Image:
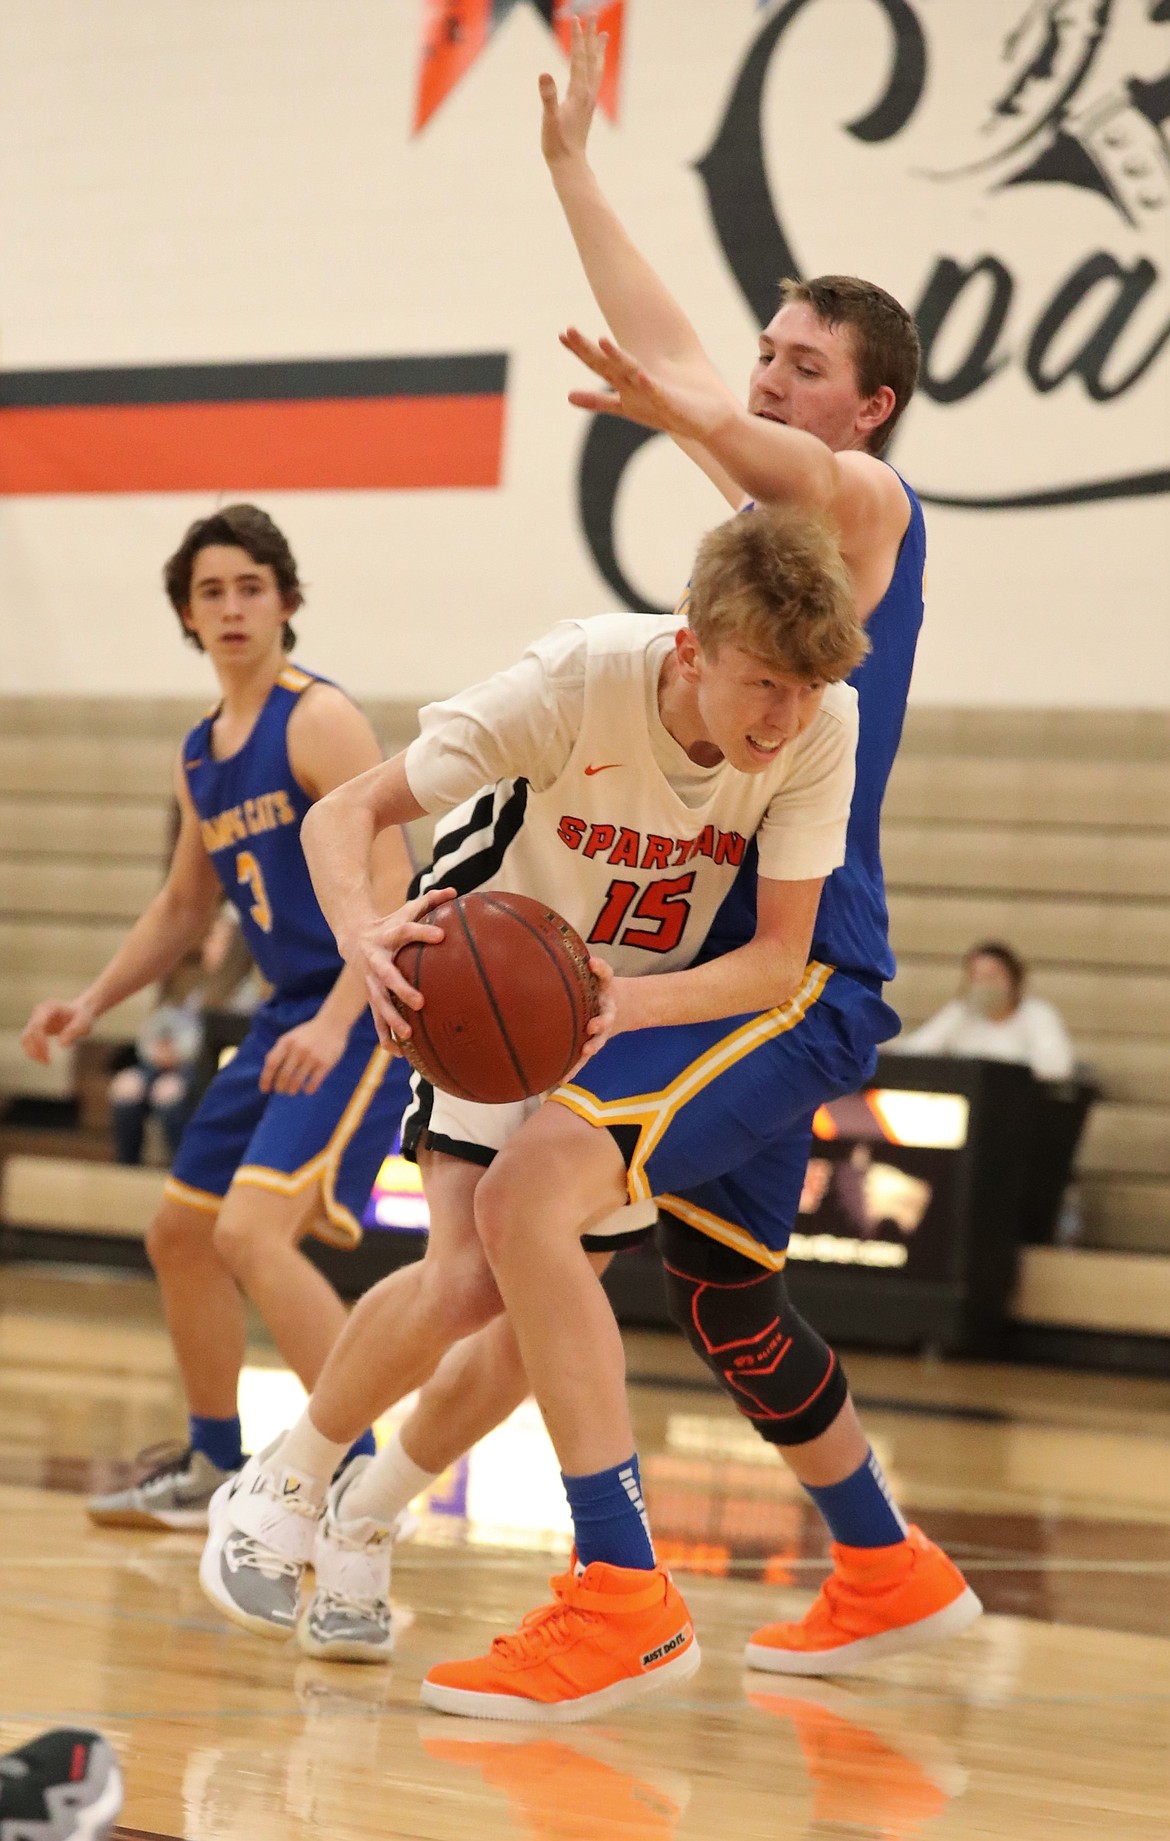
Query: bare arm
[[330, 742], [745, 456], [773, 464], [638, 308], [338, 837], [640, 311], [173, 923], [762, 975]]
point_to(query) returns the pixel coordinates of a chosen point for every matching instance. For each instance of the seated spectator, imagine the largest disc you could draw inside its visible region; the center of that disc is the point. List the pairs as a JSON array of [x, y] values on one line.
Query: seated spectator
[[993, 1020], [158, 1082]]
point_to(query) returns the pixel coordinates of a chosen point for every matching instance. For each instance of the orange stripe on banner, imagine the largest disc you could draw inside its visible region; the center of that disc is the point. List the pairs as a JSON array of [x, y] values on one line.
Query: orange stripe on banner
[[333, 443]]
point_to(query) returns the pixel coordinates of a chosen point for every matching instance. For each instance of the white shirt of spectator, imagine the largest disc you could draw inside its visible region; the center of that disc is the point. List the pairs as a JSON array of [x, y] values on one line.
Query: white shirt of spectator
[[1034, 1035]]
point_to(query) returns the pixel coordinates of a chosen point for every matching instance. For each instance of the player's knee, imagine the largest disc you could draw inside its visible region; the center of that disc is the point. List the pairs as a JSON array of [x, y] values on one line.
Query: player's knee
[[548, 1179], [240, 1242], [461, 1292], [128, 1087], [500, 1212], [177, 1237], [738, 1317]]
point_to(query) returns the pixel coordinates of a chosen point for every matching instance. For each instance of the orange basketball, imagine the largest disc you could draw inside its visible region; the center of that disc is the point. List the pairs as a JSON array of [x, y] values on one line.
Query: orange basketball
[[507, 998]]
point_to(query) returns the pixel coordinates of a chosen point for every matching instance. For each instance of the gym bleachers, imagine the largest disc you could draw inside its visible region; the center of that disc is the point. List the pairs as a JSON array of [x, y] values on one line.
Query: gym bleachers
[[1048, 829], [1051, 829]]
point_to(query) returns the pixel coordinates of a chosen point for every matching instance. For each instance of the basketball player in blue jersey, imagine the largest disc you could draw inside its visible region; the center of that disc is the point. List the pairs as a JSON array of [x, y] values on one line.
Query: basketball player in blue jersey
[[290, 1134], [836, 366]]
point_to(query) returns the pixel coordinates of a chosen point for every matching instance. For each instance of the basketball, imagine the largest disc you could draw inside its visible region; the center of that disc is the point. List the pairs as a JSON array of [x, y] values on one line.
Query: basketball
[[507, 998]]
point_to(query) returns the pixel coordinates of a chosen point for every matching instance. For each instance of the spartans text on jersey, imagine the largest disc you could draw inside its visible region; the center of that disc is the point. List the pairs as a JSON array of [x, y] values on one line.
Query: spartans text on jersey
[[621, 844]]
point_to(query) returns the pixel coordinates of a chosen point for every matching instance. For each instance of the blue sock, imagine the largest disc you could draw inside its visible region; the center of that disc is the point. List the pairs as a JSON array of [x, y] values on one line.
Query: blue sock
[[365, 1446], [860, 1511], [218, 1439], [609, 1517]]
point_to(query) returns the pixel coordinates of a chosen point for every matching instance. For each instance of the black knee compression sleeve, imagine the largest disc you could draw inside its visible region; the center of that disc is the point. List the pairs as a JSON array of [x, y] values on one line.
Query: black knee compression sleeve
[[737, 1316]]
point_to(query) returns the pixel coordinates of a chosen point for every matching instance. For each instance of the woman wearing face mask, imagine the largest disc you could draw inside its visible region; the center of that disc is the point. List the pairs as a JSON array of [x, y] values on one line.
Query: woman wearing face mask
[[991, 1019]]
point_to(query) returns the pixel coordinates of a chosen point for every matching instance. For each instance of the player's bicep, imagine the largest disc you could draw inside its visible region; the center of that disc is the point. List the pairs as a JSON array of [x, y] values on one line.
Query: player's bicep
[[330, 741], [191, 879], [869, 504], [720, 478]]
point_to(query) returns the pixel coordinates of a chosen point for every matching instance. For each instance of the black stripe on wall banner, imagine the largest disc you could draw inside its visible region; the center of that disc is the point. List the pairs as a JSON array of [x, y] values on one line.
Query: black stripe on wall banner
[[283, 379]]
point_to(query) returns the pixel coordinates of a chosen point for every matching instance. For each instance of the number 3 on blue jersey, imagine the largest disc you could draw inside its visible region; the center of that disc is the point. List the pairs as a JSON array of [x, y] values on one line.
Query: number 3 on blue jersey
[[248, 871]]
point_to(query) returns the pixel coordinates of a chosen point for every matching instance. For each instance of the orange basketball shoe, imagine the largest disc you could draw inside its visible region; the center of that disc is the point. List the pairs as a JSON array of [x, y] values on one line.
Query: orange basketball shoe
[[610, 1635], [875, 1602]]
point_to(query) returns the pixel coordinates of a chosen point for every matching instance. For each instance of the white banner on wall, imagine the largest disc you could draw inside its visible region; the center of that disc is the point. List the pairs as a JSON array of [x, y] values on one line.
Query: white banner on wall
[[310, 254]]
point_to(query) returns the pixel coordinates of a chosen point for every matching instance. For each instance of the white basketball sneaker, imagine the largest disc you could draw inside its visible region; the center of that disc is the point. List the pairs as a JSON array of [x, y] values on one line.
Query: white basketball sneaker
[[348, 1619], [260, 1541]]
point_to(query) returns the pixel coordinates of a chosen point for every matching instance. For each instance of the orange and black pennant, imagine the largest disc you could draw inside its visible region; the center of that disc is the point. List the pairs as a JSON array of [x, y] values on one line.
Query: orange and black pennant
[[456, 31]]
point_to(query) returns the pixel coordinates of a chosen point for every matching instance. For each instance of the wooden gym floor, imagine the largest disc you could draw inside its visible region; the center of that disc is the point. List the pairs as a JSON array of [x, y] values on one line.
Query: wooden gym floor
[[1049, 1721]]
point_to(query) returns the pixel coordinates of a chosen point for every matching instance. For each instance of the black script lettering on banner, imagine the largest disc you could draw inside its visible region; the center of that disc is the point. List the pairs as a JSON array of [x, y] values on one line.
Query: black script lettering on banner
[[1072, 96]]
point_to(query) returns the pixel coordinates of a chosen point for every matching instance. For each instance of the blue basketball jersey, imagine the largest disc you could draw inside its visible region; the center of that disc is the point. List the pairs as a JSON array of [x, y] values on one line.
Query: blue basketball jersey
[[852, 926], [251, 807]]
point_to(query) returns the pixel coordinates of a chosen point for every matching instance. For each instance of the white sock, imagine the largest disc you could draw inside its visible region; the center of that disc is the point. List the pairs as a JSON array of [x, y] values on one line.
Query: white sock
[[385, 1486], [307, 1451]]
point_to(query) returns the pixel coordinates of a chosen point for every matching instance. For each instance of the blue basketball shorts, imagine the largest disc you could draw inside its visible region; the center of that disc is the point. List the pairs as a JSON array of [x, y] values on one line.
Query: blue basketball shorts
[[286, 1143], [714, 1120]]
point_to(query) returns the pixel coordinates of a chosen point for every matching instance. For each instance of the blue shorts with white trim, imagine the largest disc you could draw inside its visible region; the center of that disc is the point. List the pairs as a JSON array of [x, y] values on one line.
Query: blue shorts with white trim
[[715, 1119], [335, 1138]]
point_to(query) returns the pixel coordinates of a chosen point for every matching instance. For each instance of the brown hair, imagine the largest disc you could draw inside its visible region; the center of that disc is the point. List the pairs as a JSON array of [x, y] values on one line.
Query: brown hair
[[1012, 964], [772, 581], [885, 343], [244, 527]]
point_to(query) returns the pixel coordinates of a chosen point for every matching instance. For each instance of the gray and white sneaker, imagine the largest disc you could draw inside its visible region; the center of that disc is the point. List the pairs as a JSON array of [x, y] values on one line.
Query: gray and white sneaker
[[174, 1492], [260, 1539], [348, 1619]]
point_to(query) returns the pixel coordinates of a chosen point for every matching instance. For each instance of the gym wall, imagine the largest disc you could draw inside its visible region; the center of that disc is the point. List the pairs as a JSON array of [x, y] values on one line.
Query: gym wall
[[236, 214]]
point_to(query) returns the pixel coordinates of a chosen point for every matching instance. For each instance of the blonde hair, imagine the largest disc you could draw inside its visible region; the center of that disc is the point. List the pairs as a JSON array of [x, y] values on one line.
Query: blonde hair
[[772, 582]]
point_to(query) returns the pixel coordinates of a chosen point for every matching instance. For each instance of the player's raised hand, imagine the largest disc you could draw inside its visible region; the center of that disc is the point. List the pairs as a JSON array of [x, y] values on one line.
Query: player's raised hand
[[391, 996], [688, 402], [564, 127], [64, 1023]]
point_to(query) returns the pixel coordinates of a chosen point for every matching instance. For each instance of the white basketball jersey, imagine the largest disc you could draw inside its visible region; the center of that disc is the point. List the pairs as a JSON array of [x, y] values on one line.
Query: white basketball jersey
[[610, 845]]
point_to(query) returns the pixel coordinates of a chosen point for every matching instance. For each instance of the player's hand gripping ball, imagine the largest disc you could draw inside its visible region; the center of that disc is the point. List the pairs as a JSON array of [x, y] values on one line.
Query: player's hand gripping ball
[[507, 998]]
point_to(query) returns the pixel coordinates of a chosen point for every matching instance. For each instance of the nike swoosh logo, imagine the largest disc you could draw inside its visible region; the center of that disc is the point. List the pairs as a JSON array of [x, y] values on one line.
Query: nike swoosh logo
[[605, 765]]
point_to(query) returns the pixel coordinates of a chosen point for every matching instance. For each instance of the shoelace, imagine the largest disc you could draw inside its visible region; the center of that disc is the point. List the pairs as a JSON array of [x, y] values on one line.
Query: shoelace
[[549, 1625], [247, 1551], [374, 1608], [540, 1631], [163, 1460]]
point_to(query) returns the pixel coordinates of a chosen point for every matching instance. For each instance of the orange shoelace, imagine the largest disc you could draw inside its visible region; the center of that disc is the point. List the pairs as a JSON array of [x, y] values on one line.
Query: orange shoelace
[[573, 1609]]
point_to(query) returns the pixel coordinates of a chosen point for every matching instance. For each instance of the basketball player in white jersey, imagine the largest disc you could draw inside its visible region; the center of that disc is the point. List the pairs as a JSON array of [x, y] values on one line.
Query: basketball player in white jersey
[[631, 762]]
